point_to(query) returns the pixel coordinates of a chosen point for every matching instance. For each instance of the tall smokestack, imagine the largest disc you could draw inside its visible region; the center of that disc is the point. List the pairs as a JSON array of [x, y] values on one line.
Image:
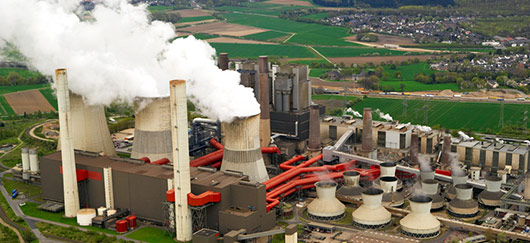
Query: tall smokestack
[[71, 196], [314, 128], [264, 90], [152, 131], [90, 131], [414, 149], [446, 150], [223, 61], [242, 148], [180, 153], [367, 145]]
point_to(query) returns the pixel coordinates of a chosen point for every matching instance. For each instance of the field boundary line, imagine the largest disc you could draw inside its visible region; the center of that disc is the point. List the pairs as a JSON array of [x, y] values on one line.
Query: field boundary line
[[288, 38], [320, 54]]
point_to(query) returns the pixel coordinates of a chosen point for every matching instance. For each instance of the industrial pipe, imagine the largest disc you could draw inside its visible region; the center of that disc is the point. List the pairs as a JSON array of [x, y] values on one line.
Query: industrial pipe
[[287, 164], [161, 161], [216, 144]]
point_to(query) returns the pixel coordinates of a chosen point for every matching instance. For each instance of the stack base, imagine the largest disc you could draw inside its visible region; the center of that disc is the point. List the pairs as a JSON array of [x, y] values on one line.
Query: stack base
[[370, 226], [326, 218], [419, 235]]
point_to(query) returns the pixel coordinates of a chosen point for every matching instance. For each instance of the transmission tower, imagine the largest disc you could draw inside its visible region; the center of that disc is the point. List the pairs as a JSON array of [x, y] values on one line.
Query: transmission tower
[[405, 105], [426, 113], [525, 121], [501, 117]]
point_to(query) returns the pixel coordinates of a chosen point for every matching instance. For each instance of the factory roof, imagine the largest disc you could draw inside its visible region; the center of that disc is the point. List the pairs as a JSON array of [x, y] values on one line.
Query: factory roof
[[498, 147]]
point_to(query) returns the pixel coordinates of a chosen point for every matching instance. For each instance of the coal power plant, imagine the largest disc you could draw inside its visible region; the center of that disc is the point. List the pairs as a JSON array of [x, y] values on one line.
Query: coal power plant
[[242, 178]]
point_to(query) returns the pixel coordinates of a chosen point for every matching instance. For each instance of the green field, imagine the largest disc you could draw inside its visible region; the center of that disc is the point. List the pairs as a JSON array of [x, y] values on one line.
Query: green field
[[267, 35], [23, 72], [308, 62], [202, 36], [31, 209], [317, 72], [306, 33], [5, 108], [317, 16], [264, 11], [418, 86], [160, 8], [356, 52], [27, 189], [11, 89], [193, 19], [152, 235], [50, 97], [408, 71], [449, 114], [255, 50]]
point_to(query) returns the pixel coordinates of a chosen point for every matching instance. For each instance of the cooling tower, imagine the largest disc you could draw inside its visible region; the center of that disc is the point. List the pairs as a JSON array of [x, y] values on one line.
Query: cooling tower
[[326, 206], [242, 148], [222, 62], [152, 132], [446, 151], [314, 128], [457, 180], [491, 197], [33, 160], [25, 159], [420, 223], [180, 154], [71, 194], [430, 188], [90, 131], [391, 197], [264, 101], [371, 215], [367, 143], [426, 174], [387, 169], [463, 205], [414, 149], [351, 189]]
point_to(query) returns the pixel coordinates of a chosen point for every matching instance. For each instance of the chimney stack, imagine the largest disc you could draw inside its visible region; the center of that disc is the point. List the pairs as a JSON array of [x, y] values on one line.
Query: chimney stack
[[152, 131], [242, 148], [181, 160], [446, 150], [71, 195], [222, 62], [414, 149], [264, 93], [314, 128], [367, 143]]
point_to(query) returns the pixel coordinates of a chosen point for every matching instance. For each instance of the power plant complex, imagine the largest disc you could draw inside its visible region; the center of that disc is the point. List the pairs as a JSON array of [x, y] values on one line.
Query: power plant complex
[[205, 180]]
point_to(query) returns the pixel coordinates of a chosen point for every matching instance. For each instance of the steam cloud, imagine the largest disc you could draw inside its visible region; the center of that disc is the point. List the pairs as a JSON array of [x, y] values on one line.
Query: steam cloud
[[456, 169], [465, 136], [117, 54], [423, 128], [425, 164], [384, 116], [353, 112]]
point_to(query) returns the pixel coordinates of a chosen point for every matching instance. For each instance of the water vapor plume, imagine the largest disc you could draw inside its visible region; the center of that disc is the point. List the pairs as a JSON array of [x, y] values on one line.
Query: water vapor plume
[[423, 128], [456, 169], [465, 137], [425, 164], [353, 112], [116, 53], [384, 116]]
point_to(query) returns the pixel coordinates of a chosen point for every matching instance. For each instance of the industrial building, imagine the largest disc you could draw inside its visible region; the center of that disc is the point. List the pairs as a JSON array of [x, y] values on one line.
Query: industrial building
[[493, 156]]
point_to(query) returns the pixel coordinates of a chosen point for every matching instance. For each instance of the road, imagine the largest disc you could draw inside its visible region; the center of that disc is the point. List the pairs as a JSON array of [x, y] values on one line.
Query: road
[[32, 129]]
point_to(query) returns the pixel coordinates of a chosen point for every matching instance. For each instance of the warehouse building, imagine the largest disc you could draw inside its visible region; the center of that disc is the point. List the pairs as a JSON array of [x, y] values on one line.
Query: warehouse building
[[493, 156]]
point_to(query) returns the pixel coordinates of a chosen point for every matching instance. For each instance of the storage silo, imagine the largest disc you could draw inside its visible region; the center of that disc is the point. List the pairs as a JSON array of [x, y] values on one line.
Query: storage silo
[[25, 159], [326, 206], [351, 189], [420, 223], [391, 197], [463, 205], [242, 150], [33, 160], [371, 214], [152, 132], [430, 188], [491, 196], [457, 180]]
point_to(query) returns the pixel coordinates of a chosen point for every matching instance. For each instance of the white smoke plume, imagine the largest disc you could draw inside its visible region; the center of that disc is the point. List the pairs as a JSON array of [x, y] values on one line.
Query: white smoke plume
[[465, 137], [425, 164], [384, 116], [117, 54], [423, 128], [456, 169], [353, 112]]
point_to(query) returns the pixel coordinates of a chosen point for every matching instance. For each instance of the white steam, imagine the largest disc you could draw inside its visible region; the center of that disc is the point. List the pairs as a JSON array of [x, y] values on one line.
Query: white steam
[[423, 128], [456, 168], [425, 164], [353, 112], [464, 136], [119, 54], [384, 116]]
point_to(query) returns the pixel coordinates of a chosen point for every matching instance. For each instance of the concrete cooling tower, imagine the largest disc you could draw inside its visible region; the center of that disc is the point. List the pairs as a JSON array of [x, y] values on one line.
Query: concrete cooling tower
[[371, 215], [351, 190], [463, 205], [152, 132], [242, 148], [426, 174], [420, 223], [491, 197], [90, 131], [430, 188], [457, 180], [388, 169], [391, 197], [326, 206]]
